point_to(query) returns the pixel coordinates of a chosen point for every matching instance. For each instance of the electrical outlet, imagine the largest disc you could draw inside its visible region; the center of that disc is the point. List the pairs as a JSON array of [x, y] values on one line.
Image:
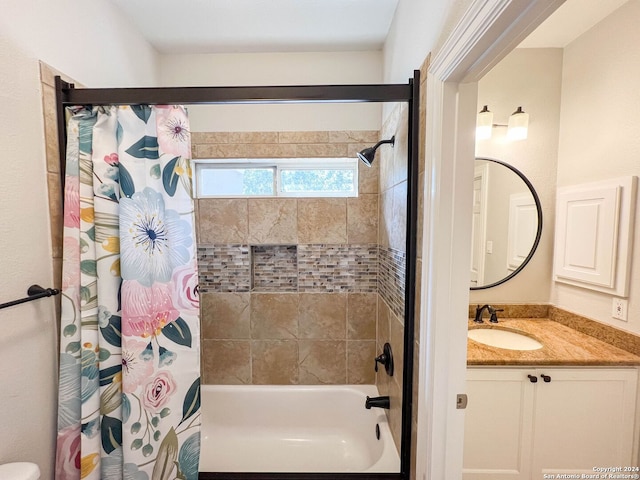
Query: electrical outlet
[[619, 308]]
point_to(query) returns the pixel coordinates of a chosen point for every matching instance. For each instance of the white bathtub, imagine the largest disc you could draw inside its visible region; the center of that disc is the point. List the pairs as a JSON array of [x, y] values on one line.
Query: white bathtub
[[264, 428]]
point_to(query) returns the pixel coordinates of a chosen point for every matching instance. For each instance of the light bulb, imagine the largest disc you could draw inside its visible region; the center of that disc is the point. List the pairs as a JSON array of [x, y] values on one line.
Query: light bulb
[[518, 125], [484, 124]]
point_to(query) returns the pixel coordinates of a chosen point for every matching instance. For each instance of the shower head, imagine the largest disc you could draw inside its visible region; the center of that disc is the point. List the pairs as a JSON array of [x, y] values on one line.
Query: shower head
[[368, 154]]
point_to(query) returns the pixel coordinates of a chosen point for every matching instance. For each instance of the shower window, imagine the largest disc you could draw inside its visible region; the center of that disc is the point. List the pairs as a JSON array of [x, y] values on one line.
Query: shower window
[[291, 177]]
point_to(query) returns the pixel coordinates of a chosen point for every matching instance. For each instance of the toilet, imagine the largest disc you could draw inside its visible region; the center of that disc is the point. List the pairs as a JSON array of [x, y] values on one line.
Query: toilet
[[19, 471]]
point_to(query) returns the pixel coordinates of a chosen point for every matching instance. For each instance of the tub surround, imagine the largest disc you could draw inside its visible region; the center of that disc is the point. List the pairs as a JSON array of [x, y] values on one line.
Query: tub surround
[[568, 339]]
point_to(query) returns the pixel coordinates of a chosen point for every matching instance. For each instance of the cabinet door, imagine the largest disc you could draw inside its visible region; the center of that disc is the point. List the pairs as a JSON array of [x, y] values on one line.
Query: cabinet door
[[498, 420], [583, 418]]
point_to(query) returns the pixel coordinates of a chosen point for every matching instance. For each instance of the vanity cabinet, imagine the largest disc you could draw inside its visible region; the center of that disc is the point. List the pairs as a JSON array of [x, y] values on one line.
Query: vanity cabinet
[[523, 423]]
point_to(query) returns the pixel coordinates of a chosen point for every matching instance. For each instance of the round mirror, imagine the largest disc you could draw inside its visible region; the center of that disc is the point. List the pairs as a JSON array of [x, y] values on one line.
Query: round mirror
[[507, 223]]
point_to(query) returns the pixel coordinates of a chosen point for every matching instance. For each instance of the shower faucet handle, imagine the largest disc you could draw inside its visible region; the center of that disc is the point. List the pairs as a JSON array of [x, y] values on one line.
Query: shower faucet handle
[[386, 359]]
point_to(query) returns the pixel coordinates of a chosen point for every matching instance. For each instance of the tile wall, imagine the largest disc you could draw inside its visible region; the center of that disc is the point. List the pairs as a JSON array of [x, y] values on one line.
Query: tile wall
[[289, 287], [392, 258]]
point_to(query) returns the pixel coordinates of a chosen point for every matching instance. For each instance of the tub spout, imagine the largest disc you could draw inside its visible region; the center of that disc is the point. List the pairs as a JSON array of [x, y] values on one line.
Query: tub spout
[[380, 402]]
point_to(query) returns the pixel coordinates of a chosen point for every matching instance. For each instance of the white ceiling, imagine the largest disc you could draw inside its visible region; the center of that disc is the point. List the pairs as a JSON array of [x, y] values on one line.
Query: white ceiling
[[234, 26], [221, 26], [571, 20]]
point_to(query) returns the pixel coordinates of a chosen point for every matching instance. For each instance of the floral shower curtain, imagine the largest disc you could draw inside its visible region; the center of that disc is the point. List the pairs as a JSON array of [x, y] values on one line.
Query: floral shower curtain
[[129, 390]]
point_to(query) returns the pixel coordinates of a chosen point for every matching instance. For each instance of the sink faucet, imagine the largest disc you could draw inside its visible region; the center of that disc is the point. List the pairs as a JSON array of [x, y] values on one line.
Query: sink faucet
[[493, 312]]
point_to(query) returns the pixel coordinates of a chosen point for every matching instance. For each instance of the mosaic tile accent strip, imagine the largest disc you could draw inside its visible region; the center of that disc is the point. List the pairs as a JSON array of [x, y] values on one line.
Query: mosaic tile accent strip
[[391, 278], [224, 268], [337, 268], [274, 268]]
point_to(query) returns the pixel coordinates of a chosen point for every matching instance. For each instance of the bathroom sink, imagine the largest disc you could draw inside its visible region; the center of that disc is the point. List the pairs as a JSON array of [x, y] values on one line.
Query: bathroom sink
[[495, 337]]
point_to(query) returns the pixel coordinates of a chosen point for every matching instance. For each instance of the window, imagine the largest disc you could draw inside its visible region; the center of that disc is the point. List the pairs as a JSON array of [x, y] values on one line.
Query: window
[[267, 177]]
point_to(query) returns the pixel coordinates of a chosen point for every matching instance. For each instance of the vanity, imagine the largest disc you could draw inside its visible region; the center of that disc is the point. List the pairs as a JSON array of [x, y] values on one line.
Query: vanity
[[568, 406], [551, 394]]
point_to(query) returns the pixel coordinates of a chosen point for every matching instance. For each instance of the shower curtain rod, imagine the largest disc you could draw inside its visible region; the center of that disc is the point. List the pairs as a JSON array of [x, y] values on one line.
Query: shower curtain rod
[[224, 95]]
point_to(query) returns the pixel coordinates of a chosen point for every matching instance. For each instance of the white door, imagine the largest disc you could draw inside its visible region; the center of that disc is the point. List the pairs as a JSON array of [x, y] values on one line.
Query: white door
[[478, 226], [499, 417], [583, 419]]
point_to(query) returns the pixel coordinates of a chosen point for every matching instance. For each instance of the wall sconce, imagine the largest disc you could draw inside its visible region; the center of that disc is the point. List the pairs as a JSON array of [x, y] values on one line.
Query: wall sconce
[[484, 124], [517, 128], [518, 125]]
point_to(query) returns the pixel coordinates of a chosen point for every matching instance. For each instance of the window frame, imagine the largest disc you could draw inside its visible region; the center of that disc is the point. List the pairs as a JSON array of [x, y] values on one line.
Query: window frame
[[279, 165]]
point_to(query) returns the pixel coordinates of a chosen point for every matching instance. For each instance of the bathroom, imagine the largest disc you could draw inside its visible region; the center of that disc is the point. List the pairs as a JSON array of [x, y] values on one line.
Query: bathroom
[[33, 260]]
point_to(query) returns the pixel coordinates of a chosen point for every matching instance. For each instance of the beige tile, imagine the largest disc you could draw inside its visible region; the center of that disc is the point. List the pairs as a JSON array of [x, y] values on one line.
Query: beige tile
[[398, 227], [322, 362], [361, 316], [354, 136], [245, 150], [323, 315], [368, 177], [48, 74], [55, 213], [303, 137], [50, 128], [400, 149], [220, 150], [274, 362], [225, 315], [362, 219], [274, 316], [322, 220], [422, 131], [386, 153], [395, 412], [385, 221], [226, 362], [223, 220], [57, 273], [418, 301], [396, 339], [315, 150], [209, 137], [253, 137], [271, 151], [383, 327], [424, 68], [414, 402], [273, 221], [360, 362]]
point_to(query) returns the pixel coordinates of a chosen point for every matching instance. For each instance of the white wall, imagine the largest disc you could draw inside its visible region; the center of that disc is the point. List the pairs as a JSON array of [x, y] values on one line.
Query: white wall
[[415, 28], [264, 69], [599, 135], [530, 78], [27, 344], [87, 41]]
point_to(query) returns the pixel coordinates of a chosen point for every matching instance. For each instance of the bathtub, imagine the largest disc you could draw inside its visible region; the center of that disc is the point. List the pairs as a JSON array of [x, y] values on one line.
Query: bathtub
[[294, 428]]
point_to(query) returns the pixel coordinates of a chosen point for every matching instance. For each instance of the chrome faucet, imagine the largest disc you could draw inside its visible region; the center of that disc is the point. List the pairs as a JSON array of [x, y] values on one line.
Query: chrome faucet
[[493, 312]]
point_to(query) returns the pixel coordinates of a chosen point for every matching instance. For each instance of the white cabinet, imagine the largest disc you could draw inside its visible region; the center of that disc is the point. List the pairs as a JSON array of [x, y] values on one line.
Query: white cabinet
[[519, 426]]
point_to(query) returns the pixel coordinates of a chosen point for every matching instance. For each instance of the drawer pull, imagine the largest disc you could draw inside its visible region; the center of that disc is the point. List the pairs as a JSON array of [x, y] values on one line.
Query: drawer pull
[[532, 378], [546, 378]]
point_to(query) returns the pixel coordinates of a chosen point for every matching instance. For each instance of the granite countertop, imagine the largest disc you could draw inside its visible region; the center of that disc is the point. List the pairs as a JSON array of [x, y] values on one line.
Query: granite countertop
[[562, 346]]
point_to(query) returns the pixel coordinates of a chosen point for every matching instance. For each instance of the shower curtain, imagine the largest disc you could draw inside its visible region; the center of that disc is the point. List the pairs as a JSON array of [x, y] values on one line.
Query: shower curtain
[[129, 386]]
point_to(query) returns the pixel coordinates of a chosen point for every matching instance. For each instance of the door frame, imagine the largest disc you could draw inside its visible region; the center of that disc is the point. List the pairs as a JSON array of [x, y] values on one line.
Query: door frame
[[486, 33]]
